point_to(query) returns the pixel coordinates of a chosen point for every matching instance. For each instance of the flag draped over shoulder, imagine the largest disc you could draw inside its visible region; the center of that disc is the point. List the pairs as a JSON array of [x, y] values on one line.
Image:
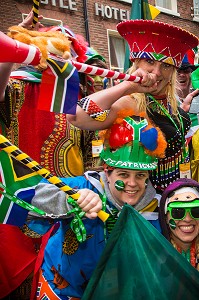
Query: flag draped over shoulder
[[139, 263], [140, 9], [20, 181], [59, 87]]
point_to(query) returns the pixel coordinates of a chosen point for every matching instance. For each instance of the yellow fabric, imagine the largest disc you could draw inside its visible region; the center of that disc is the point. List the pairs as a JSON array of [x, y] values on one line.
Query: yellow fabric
[[154, 11], [151, 206], [195, 156]]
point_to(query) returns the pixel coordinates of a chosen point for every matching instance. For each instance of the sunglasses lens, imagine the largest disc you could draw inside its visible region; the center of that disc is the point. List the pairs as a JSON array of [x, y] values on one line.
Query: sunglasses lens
[[195, 212], [178, 213]]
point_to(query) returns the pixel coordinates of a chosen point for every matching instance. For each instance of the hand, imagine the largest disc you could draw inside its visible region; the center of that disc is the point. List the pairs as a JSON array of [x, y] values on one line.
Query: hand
[[147, 85], [89, 202], [188, 100], [27, 22]]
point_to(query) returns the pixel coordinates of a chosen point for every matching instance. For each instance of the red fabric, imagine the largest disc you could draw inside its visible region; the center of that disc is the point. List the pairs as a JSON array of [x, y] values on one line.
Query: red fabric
[[159, 37], [35, 125], [39, 261], [17, 258], [17, 52], [47, 90]]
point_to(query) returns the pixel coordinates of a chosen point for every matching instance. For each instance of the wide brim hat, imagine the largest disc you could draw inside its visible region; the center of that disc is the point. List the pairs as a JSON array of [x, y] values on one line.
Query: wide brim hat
[[155, 40]]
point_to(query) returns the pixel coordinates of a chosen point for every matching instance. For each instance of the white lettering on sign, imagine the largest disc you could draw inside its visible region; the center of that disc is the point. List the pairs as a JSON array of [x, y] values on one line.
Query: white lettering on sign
[[61, 3], [104, 11], [111, 12]]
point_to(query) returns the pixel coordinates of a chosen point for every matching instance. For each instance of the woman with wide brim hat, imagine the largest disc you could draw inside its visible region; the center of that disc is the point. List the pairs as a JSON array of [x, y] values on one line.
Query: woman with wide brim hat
[[156, 50]]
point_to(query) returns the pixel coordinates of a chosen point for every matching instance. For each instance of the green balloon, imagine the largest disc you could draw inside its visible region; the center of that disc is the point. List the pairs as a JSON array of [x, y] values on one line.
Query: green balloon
[[195, 79]]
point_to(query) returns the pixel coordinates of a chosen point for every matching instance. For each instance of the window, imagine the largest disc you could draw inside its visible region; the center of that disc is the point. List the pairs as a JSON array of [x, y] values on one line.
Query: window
[[47, 21], [116, 47], [167, 6], [127, 1], [164, 3], [195, 9]]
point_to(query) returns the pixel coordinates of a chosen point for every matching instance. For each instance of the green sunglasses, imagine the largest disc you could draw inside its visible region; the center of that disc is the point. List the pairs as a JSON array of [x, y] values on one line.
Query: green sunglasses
[[179, 209]]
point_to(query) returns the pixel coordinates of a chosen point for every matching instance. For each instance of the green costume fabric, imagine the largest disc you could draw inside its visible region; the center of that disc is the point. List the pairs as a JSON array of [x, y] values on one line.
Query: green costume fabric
[[139, 263]]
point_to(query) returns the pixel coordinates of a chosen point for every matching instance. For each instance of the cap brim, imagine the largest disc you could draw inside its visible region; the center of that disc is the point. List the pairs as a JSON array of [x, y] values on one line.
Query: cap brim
[[186, 66]]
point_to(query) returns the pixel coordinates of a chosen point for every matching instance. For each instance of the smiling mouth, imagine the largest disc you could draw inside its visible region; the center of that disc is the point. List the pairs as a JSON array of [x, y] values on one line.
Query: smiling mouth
[[187, 228], [131, 192], [98, 85]]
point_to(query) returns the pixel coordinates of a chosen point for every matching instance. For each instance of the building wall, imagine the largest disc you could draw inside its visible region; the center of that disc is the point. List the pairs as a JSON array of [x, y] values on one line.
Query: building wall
[[11, 11]]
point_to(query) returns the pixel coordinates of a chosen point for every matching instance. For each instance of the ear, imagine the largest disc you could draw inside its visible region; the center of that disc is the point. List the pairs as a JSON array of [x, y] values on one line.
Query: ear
[[106, 173]]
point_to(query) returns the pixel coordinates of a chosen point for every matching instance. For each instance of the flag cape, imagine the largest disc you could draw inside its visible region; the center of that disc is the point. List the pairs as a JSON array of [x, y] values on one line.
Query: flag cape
[[59, 87], [140, 10], [17, 258], [139, 263], [20, 181], [26, 76]]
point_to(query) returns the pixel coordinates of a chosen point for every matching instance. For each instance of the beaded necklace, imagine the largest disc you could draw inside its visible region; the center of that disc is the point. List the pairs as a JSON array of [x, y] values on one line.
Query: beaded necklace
[[167, 113], [190, 254]]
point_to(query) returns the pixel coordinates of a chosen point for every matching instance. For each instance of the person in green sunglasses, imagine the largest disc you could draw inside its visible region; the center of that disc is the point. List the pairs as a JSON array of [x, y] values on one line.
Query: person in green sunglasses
[[179, 218]]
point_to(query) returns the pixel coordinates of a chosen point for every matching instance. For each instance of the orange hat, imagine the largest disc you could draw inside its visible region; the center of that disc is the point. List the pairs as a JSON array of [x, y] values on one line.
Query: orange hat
[[79, 45], [157, 40]]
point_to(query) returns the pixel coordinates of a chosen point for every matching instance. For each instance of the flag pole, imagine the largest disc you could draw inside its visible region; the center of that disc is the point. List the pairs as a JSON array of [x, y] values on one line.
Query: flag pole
[[93, 70], [35, 12], [22, 157]]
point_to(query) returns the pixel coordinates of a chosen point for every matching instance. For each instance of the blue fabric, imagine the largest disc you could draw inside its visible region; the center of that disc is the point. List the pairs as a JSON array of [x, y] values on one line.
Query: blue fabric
[[74, 261]]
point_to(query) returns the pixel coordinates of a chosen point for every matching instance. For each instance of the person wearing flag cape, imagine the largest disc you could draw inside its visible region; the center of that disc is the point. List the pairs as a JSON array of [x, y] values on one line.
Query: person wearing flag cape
[[131, 148]]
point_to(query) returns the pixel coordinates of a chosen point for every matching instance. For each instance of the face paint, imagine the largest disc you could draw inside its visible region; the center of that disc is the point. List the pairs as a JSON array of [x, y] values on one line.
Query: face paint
[[119, 185], [95, 83], [172, 224], [105, 82], [90, 83]]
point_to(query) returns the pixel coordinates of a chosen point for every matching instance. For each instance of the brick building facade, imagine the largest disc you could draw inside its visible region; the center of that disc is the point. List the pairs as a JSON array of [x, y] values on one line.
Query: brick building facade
[[95, 19]]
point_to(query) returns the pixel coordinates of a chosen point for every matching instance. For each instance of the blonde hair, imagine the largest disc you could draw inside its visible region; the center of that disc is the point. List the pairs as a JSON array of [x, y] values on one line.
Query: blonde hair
[[170, 92]]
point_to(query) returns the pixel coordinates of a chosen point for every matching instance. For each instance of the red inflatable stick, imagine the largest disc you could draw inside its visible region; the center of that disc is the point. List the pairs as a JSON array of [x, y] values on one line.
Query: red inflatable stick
[[17, 52]]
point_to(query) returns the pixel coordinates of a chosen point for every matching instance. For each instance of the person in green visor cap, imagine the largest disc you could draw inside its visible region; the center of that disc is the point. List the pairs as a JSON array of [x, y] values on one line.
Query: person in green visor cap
[[131, 150]]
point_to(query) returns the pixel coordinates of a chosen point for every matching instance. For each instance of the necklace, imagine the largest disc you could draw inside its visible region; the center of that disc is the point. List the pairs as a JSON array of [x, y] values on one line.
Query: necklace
[[160, 102], [167, 114], [190, 254]]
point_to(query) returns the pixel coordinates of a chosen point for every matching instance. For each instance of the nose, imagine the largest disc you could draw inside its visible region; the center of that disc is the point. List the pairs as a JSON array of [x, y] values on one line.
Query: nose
[[132, 181], [188, 218], [157, 69]]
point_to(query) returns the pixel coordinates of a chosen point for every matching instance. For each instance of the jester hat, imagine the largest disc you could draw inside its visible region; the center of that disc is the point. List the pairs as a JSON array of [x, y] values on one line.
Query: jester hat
[[133, 144], [155, 40]]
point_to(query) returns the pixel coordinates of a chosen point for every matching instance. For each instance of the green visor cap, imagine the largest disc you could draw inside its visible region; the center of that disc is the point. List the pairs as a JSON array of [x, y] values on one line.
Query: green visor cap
[[132, 154], [126, 158]]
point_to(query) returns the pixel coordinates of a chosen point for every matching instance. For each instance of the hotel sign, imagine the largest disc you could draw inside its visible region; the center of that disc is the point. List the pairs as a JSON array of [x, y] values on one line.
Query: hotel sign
[[104, 11]]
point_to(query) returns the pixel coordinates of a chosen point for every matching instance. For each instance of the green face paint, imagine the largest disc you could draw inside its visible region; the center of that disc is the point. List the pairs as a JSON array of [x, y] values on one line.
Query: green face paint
[[119, 185]]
